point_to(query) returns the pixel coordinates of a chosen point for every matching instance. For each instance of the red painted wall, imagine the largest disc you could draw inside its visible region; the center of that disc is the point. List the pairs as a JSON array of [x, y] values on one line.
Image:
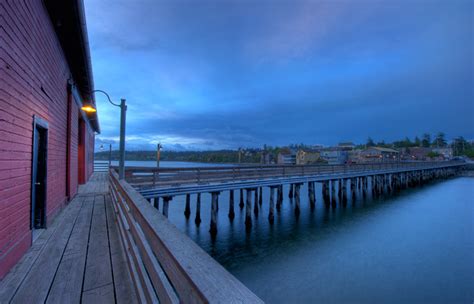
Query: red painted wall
[[33, 81]]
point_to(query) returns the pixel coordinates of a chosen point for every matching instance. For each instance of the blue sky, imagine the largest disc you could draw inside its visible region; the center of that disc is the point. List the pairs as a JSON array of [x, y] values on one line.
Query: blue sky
[[226, 74]]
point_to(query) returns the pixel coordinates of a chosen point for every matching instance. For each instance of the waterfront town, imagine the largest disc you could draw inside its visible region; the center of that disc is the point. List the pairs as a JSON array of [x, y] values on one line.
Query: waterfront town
[[348, 222]]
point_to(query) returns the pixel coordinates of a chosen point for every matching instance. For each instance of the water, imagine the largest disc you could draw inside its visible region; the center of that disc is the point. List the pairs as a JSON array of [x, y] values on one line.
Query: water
[[166, 164], [415, 247]]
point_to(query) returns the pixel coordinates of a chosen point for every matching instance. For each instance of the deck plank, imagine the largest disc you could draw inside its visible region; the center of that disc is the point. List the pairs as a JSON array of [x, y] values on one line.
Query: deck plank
[[98, 266], [67, 285], [35, 287], [100, 295]]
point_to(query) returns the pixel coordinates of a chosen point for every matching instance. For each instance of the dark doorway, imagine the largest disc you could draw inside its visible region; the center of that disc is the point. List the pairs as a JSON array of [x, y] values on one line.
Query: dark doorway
[[39, 174]]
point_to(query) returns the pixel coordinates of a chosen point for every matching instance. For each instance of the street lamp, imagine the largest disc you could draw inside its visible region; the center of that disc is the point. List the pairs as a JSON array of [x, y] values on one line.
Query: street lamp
[[123, 114]]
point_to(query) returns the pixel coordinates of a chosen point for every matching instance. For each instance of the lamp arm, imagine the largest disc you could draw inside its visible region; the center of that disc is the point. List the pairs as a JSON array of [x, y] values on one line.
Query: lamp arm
[[108, 97]]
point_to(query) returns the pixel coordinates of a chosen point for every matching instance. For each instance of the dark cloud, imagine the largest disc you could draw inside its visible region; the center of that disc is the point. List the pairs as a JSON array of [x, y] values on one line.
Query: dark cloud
[[214, 74]]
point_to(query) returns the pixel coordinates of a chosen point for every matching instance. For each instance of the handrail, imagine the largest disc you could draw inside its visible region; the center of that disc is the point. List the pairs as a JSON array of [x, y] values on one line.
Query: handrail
[[141, 176], [166, 265]]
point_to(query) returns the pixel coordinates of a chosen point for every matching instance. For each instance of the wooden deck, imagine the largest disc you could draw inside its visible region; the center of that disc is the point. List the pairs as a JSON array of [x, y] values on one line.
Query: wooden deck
[[79, 258]]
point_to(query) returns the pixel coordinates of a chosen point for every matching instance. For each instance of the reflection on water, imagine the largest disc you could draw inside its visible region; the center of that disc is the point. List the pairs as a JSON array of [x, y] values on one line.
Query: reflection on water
[[416, 246]]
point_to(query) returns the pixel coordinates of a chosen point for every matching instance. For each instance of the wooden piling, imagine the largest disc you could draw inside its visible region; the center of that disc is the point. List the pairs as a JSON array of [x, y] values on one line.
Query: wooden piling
[[297, 199], [311, 194], [214, 198], [260, 196], [279, 197], [333, 192], [241, 204], [156, 203], [231, 205], [197, 220], [290, 193], [272, 203], [248, 209], [344, 190], [166, 200], [187, 209], [255, 205]]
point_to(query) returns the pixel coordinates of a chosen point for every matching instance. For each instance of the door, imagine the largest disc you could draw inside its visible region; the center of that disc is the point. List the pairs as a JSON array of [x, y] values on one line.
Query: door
[[39, 174]]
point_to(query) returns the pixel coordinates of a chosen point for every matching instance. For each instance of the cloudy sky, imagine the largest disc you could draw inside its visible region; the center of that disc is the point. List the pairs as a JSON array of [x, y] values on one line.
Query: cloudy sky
[[224, 74]]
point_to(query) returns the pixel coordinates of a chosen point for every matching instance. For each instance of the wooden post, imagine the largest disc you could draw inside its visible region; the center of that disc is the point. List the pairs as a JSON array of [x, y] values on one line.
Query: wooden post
[[255, 205], [187, 209], [231, 205], [272, 203], [344, 190], [297, 199], [248, 209], [260, 196], [353, 188], [339, 190], [166, 200], [156, 203], [312, 199], [333, 192], [241, 204], [213, 229], [197, 220], [279, 197], [290, 193]]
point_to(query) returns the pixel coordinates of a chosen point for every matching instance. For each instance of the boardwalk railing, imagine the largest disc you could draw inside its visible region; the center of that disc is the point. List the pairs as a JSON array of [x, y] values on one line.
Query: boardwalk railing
[[101, 165], [146, 177], [166, 265]]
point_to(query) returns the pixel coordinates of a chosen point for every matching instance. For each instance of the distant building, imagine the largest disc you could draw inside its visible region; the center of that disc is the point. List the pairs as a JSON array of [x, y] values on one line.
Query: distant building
[[286, 158], [415, 153], [334, 156], [346, 146], [354, 156], [446, 153], [379, 154], [305, 157]]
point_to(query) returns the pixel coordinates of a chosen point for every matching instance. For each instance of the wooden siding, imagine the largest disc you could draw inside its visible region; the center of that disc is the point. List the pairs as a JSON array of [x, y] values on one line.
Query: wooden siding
[[33, 81]]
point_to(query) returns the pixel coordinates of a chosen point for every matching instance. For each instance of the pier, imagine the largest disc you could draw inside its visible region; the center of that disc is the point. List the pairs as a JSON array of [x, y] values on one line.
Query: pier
[[339, 184]]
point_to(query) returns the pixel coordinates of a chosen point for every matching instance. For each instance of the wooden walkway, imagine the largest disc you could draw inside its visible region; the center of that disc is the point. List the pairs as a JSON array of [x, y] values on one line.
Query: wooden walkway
[[79, 258]]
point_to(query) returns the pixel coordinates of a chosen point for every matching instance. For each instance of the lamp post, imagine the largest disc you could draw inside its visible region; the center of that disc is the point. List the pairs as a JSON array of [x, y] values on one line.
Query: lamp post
[[123, 116]]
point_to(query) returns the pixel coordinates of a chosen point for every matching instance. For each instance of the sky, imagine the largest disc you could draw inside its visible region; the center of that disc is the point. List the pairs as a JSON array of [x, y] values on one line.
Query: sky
[[206, 75]]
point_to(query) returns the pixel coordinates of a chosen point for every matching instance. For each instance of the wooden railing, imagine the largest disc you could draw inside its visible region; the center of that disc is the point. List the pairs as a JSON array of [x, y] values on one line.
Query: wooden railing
[[161, 177], [166, 265]]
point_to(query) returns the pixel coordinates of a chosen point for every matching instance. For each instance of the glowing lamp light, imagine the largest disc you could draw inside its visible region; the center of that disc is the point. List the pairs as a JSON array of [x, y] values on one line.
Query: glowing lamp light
[[89, 109]]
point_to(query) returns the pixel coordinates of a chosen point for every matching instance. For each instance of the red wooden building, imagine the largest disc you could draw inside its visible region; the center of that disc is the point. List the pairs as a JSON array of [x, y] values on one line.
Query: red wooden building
[[46, 140]]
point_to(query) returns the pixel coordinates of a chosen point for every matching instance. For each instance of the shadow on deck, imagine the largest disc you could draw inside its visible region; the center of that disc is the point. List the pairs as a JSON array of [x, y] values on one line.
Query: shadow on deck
[[79, 258]]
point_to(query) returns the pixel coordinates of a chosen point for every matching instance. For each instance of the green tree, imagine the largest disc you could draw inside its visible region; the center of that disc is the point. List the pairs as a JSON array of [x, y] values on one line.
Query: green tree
[[426, 141], [370, 142], [417, 142], [440, 140]]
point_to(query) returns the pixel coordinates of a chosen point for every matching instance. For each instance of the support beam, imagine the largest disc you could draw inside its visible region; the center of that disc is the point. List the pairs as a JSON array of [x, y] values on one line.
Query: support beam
[[272, 203], [231, 205], [255, 204], [241, 204], [279, 197], [260, 196], [248, 209], [166, 200], [297, 199], [187, 209], [214, 199], [311, 194], [197, 220]]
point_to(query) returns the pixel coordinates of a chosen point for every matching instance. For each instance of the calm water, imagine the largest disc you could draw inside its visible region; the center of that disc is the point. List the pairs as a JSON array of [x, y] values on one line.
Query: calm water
[[415, 247]]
